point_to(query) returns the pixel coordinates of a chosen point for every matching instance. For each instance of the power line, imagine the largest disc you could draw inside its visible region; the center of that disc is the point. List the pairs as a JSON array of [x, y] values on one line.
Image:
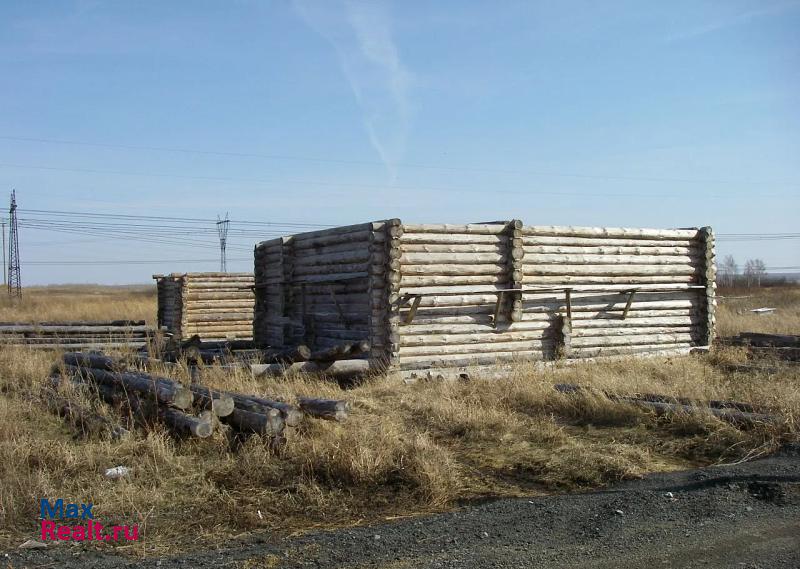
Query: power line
[[222, 230]]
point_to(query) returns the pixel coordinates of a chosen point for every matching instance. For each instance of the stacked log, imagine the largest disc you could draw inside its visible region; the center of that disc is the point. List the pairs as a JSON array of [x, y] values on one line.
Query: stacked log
[[439, 295], [316, 289], [77, 335], [214, 306], [186, 411]]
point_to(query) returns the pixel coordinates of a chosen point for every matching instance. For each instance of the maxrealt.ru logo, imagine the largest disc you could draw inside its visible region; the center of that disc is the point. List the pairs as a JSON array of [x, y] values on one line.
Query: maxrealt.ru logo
[[88, 531]]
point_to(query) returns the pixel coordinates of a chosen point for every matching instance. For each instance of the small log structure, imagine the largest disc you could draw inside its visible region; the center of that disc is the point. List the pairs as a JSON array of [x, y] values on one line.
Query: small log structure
[[213, 306], [456, 296], [80, 335]]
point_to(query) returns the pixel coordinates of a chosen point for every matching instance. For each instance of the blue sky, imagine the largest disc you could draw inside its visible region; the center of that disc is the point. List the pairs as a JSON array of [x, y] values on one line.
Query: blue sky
[[621, 113]]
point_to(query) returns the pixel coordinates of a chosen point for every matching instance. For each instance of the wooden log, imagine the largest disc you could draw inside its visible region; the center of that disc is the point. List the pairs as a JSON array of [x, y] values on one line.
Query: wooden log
[[207, 399], [90, 360], [452, 258], [177, 420], [609, 232], [337, 369], [51, 329], [425, 362], [254, 404], [446, 228], [164, 390], [220, 317], [610, 270], [269, 423], [603, 260], [415, 238], [635, 281], [454, 270], [328, 409], [600, 249], [81, 418], [417, 281], [521, 346], [496, 248]]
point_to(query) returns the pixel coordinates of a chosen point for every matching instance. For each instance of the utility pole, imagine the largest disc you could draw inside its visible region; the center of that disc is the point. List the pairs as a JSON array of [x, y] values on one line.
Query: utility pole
[[14, 273], [222, 231], [5, 270]]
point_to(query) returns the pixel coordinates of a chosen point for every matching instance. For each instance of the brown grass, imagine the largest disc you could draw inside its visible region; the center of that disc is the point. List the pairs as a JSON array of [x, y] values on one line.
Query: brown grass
[[407, 449], [733, 314], [72, 302]]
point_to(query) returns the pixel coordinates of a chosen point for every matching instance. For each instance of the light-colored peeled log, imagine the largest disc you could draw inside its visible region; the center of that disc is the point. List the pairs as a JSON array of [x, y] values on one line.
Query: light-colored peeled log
[[452, 248], [609, 270], [476, 337], [636, 281], [451, 258], [411, 281], [574, 259], [455, 238], [592, 352], [609, 232], [545, 240], [638, 339], [468, 348], [426, 362], [452, 229], [611, 250], [338, 368], [445, 269]]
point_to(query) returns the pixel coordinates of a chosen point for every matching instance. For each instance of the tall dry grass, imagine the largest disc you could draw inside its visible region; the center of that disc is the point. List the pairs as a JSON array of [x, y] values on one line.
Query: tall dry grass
[[406, 449], [734, 316], [80, 302]]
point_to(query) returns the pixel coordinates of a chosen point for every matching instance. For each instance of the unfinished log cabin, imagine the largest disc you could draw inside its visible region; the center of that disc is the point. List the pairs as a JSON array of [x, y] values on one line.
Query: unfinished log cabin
[[458, 296], [214, 306]]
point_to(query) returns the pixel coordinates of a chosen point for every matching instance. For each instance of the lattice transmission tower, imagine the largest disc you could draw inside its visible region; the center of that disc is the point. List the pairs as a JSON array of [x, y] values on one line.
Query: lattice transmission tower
[[14, 273], [222, 231]]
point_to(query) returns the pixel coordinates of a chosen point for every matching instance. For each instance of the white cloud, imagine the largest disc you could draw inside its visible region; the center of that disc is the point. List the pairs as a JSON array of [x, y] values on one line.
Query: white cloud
[[360, 33]]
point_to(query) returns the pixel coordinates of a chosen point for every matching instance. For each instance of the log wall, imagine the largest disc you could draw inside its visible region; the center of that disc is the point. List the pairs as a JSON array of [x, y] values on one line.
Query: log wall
[[215, 306], [321, 288], [460, 295]]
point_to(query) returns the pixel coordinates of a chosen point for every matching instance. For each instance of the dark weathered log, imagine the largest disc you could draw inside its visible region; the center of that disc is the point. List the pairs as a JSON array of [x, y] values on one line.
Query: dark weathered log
[[84, 419], [341, 351], [329, 409], [200, 427], [164, 390], [93, 360], [769, 340], [269, 423], [730, 411], [291, 415], [218, 402], [299, 353]]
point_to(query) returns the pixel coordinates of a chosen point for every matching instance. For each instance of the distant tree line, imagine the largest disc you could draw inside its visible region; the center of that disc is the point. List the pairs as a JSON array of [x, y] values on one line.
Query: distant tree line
[[754, 273]]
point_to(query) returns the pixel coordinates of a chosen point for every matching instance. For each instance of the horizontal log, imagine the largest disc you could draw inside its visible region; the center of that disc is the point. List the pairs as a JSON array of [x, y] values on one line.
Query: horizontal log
[[604, 260], [199, 317], [451, 258], [269, 423], [468, 348], [599, 352], [445, 269], [609, 232], [49, 330], [411, 281], [471, 326], [608, 270], [591, 280], [446, 228], [637, 339], [207, 399], [79, 345], [164, 390], [545, 240], [410, 238], [497, 248], [432, 362], [338, 368], [600, 249], [200, 427], [328, 409]]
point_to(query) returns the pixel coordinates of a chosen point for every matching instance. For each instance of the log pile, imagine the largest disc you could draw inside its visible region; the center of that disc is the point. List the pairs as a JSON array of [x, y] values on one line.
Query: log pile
[[742, 414], [454, 296], [214, 306], [779, 346], [190, 411], [78, 335]]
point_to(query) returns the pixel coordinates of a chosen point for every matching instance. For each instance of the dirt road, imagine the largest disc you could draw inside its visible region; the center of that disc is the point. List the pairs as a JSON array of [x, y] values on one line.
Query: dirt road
[[742, 516]]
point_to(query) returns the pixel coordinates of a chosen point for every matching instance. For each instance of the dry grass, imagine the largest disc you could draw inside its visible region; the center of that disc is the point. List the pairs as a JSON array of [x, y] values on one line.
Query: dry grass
[[733, 314], [407, 449], [89, 302]]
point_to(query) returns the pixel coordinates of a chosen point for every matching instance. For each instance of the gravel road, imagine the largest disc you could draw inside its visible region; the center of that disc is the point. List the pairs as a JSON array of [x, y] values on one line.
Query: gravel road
[[745, 516]]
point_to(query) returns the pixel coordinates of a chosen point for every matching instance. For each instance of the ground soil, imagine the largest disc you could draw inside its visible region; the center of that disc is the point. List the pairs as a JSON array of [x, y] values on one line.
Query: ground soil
[[742, 516]]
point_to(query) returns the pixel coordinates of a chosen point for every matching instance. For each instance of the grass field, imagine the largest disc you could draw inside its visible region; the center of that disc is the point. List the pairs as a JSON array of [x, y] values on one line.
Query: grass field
[[406, 450]]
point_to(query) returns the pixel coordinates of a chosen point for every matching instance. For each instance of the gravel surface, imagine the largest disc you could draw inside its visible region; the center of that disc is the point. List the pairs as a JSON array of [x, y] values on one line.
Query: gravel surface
[[745, 516]]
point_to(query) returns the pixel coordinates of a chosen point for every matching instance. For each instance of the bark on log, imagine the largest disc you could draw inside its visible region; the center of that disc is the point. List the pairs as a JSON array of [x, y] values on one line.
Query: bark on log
[[269, 423], [254, 404], [218, 402], [164, 390], [341, 369], [328, 409]]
